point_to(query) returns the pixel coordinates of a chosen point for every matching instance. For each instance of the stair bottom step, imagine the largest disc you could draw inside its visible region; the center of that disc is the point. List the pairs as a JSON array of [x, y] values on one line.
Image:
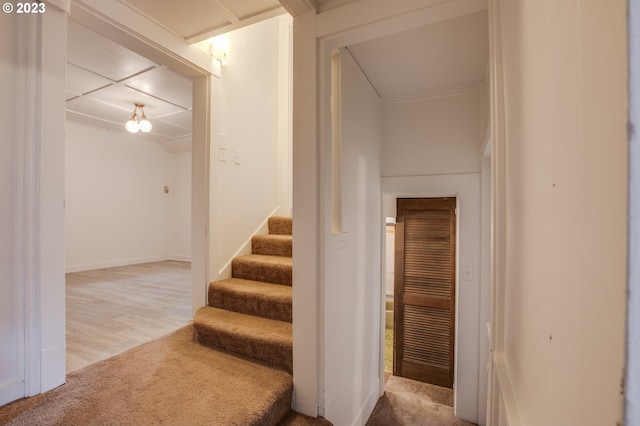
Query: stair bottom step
[[255, 337]]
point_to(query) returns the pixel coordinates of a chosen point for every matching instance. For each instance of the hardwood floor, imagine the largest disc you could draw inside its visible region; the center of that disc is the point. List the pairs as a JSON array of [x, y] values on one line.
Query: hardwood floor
[[114, 309]]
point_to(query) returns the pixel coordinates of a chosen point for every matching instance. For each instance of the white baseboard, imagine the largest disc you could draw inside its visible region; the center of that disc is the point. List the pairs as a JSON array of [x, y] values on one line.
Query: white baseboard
[[180, 258], [368, 406], [509, 400], [53, 371], [308, 408], [113, 263], [11, 392]]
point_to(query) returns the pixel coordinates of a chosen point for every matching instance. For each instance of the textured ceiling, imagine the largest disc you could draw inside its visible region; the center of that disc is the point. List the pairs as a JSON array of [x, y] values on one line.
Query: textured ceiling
[[104, 80]]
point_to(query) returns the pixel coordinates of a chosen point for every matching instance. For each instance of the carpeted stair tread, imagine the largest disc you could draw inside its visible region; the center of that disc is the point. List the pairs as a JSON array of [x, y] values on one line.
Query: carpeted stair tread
[[258, 267], [259, 338], [280, 225], [272, 244], [252, 298], [171, 381]]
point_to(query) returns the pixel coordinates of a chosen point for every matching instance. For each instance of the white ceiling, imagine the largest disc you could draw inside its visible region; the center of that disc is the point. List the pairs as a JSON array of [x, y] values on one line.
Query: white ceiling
[[105, 79], [445, 55], [198, 20]]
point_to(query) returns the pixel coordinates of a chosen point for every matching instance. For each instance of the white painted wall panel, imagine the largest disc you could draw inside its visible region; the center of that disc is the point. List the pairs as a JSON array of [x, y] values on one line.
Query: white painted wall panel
[[180, 191], [353, 281], [116, 209], [245, 122], [51, 192], [632, 396], [565, 160], [390, 246], [432, 136], [11, 304]]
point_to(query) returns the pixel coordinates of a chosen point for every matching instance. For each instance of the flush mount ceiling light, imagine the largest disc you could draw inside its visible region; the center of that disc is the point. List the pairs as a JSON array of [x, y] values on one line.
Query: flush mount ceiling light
[[133, 125]]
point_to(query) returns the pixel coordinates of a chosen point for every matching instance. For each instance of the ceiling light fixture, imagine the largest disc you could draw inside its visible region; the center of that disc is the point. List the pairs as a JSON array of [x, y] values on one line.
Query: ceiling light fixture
[[133, 125]]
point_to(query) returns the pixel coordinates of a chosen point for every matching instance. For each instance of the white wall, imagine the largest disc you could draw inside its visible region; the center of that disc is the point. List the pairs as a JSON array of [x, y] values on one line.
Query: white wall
[[432, 148], [390, 247], [116, 210], [308, 369], [632, 396], [560, 153], [180, 195], [432, 136], [352, 279], [246, 104], [32, 358], [11, 311]]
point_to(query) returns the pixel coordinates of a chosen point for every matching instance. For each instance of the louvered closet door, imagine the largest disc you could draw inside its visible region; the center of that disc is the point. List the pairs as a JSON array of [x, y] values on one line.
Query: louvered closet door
[[425, 290]]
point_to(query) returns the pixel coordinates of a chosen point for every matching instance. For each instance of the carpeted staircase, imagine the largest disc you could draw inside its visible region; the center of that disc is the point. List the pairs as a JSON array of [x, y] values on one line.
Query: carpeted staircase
[[245, 380], [250, 313]]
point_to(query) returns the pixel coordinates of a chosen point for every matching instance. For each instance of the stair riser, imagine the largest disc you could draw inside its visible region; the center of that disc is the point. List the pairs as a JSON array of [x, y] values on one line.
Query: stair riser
[[250, 304], [277, 274], [271, 248], [280, 226], [278, 410], [277, 355]]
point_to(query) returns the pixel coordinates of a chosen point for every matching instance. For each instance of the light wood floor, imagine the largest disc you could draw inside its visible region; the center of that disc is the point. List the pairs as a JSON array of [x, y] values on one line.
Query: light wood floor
[[114, 309]]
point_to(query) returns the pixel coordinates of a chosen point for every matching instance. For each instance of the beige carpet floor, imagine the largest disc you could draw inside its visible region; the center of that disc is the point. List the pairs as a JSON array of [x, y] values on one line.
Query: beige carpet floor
[[407, 402], [176, 381], [172, 380]]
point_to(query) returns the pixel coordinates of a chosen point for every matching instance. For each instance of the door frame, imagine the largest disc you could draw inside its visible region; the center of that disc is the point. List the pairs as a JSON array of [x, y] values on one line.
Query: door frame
[[115, 22], [44, 355], [469, 326], [399, 283]]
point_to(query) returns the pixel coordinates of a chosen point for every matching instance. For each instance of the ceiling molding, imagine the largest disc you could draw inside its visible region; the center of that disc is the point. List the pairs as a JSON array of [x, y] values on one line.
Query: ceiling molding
[[443, 92], [299, 7], [226, 12], [126, 27], [327, 5]]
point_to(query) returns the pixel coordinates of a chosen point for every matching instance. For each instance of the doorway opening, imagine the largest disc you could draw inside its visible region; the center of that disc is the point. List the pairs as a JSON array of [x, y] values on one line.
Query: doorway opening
[[420, 259], [128, 199]]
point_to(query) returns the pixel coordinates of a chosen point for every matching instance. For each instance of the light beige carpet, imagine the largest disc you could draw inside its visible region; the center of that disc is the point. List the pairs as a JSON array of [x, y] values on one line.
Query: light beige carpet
[[172, 381], [408, 402]]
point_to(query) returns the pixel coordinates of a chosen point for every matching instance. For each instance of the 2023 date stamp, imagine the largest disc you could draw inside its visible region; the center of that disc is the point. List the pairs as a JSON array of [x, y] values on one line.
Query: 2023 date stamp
[[24, 8]]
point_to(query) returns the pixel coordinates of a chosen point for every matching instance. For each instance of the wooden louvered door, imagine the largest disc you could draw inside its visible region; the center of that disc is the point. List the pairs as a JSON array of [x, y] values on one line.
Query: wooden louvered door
[[425, 252]]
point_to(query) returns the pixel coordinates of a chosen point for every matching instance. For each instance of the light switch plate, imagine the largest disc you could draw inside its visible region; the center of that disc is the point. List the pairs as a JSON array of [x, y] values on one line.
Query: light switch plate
[[467, 273]]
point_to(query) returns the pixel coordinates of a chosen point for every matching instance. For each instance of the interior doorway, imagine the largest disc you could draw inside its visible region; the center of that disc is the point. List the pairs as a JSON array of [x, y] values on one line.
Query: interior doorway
[[128, 236], [424, 290]]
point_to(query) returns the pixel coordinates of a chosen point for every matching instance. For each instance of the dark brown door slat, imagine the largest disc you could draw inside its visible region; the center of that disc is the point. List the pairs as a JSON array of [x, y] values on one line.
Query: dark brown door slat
[[425, 290]]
